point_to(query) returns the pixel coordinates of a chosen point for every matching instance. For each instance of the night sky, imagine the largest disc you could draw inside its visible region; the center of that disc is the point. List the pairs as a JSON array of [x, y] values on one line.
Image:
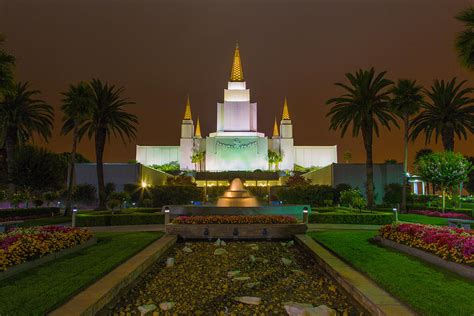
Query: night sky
[[160, 51]]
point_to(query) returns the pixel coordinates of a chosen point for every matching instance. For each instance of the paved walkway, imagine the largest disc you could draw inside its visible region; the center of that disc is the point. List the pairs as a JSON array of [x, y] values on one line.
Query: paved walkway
[[161, 227]]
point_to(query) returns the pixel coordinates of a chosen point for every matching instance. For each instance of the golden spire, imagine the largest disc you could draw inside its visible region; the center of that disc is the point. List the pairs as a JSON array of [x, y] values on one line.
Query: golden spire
[[237, 74], [275, 129], [187, 112], [198, 129], [286, 114]]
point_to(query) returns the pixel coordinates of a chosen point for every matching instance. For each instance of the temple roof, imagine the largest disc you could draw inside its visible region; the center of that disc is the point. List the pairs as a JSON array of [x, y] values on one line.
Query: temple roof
[[275, 129], [237, 74], [187, 112], [286, 113], [198, 128]]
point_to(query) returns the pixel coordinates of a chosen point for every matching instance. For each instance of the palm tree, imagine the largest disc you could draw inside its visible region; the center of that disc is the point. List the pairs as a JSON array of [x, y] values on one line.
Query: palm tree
[[107, 117], [7, 62], [448, 111], [77, 104], [407, 98], [274, 158], [465, 40], [22, 116], [365, 105]]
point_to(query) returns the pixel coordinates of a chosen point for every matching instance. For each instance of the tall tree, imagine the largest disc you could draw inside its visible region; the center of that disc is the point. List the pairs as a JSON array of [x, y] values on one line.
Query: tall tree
[[22, 116], [7, 62], [107, 118], [366, 106], [465, 39], [407, 98], [77, 106], [447, 111]]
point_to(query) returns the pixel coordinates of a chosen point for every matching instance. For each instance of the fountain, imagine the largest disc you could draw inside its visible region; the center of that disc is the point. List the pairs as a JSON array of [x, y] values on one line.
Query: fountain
[[237, 196]]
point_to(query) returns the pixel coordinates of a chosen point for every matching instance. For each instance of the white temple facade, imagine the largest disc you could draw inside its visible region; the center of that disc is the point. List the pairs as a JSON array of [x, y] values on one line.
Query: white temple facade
[[236, 144]]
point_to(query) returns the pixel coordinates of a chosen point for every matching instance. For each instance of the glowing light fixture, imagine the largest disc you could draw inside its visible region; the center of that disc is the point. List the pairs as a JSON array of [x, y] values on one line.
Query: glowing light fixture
[[144, 184]]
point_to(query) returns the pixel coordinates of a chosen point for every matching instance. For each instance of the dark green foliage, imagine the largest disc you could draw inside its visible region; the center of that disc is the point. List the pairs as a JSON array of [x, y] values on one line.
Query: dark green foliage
[[214, 192], [171, 167], [393, 193], [314, 195], [297, 180], [38, 169], [133, 218], [172, 195], [84, 193], [180, 180], [109, 189], [7, 63], [38, 211], [422, 152], [351, 218], [243, 175], [465, 39], [79, 158], [469, 184], [338, 189]]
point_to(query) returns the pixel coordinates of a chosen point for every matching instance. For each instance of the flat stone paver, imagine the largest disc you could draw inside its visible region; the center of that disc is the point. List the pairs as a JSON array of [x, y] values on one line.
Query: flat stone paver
[[363, 289], [96, 296]]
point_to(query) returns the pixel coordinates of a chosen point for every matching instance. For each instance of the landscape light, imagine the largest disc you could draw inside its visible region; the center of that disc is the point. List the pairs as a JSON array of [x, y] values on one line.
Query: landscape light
[[144, 184], [167, 209], [395, 210]]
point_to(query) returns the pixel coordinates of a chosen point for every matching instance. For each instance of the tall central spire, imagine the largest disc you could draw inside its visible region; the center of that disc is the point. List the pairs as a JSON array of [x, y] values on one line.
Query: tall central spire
[[187, 112], [237, 74]]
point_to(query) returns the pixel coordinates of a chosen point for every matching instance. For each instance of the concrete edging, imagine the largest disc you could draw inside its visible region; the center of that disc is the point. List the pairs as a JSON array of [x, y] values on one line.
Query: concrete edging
[[96, 296], [457, 268], [368, 294], [25, 266]]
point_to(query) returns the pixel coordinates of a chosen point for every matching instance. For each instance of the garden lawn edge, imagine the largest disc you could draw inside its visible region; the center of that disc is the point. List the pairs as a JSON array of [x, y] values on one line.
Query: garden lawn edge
[[460, 269], [103, 291], [25, 266], [368, 294]]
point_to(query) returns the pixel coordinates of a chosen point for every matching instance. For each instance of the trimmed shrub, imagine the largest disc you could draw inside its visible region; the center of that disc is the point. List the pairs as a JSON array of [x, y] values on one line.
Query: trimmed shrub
[[351, 218], [393, 193], [37, 211], [314, 195], [87, 220], [172, 195]]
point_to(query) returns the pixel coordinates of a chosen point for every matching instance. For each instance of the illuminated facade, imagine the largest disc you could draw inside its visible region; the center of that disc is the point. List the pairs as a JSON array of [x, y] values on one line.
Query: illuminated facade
[[236, 144]]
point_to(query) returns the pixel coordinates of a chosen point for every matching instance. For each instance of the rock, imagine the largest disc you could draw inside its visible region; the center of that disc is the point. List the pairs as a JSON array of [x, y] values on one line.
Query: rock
[[285, 261], [145, 309], [166, 306], [251, 285], [322, 310], [252, 258], [249, 300], [223, 243], [241, 279], [220, 251], [220, 242], [232, 274], [296, 309], [187, 249], [169, 262]]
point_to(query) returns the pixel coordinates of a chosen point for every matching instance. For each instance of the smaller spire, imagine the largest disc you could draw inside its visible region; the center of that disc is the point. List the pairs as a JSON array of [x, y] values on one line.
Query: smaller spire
[[187, 112], [237, 74], [198, 129], [286, 113], [275, 129]]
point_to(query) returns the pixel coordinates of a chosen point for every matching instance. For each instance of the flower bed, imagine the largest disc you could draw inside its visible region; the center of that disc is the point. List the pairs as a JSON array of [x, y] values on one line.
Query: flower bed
[[439, 214], [25, 244], [453, 244], [235, 219]]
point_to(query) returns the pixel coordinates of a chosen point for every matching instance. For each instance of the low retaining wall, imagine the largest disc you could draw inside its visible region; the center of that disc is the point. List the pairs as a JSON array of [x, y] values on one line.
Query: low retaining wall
[[460, 269], [363, 290], [240, 231], [25, 266], [103, 291], [190, 210]]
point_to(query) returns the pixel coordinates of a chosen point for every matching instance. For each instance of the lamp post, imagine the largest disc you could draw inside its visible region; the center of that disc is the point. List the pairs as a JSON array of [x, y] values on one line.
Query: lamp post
[[74, 212], [395, 211], [305, 215], [167, 215]]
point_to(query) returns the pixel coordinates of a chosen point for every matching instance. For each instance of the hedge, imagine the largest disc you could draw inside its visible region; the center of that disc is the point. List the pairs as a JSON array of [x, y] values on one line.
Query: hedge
[[314, 195], [351, 218], [87, 220], [466, 211], [36, 211]]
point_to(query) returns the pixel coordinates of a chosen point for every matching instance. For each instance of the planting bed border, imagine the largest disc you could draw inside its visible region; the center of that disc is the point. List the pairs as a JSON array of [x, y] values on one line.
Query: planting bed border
[[27, 265], [368, 294], [457, 268], [103, 291]]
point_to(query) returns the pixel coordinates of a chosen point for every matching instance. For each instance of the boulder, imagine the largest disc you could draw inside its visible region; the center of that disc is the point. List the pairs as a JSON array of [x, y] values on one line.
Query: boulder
[[166, 306], [146, 309], [251, 300]]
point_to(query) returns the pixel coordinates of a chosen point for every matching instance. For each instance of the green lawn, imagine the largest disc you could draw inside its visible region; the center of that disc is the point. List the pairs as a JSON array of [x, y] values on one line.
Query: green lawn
[[37, 291], [428, 290], [46, 221], [422, 219]]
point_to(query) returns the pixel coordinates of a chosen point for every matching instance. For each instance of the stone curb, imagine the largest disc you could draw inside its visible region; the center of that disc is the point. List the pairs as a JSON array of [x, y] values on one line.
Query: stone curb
[[374, 299], [25, 266], [460, 269], [103, 291]]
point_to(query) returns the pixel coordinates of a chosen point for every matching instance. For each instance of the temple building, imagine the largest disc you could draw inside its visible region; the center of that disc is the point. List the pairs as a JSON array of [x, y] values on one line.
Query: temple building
[[236, 143]]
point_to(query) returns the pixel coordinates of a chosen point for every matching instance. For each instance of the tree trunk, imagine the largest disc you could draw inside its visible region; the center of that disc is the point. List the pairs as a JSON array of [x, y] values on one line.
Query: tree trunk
[[367, 134], [100, 138], [405, 164], [72, 163], [10, 144], [447, 135]]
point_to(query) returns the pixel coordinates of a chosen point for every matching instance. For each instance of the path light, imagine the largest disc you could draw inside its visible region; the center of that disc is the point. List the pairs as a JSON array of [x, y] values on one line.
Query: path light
[[395, 211], [74, 212], [206, 233], [167, 215], [144, 184], [305, 215]]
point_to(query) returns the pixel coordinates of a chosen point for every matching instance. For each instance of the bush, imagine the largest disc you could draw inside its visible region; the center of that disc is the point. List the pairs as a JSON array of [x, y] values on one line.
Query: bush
[[393, 193], [20, 212], [353, 198], [314, 195], [351, 218], [338, 189], [86, 220], [84, 193], [174, 195]]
